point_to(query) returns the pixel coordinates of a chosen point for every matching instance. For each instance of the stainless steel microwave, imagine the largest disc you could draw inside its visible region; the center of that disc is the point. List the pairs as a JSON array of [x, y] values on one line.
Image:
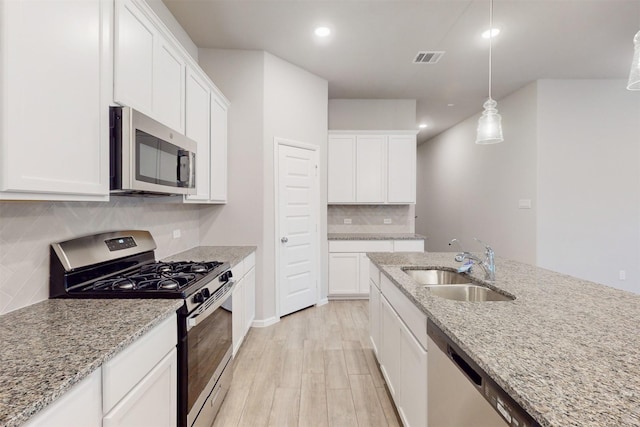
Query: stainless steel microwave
[[148, 158]]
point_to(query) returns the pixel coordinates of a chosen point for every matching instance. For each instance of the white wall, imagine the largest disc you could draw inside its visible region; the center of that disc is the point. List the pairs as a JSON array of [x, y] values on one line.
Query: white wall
[[573, 147], [295, 109], [589, 180], [465, 190], [372, 114], [269, 98]]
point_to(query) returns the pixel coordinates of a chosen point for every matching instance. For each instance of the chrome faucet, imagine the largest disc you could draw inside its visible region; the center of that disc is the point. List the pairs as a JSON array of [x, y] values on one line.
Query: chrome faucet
[[488, 264]]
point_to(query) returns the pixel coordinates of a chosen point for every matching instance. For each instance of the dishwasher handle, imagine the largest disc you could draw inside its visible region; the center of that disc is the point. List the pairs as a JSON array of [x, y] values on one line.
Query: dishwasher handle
[[471, 373]]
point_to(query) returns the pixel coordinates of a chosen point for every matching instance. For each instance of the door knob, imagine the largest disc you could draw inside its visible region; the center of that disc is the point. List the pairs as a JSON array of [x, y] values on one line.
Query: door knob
[[284, 240]]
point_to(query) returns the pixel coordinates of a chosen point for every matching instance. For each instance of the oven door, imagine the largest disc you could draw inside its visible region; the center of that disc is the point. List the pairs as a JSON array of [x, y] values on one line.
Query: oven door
[[208, 346]]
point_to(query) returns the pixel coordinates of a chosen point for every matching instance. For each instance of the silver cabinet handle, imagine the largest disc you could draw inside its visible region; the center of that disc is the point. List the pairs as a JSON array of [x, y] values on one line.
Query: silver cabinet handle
[[284, 240]]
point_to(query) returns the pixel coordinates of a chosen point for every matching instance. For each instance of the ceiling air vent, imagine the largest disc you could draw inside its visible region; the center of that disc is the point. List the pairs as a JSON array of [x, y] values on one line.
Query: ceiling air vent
[[428, 57]]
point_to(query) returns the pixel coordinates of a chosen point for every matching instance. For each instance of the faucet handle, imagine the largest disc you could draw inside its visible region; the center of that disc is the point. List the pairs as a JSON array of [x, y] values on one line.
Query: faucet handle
[[457, 242], [485, 244]]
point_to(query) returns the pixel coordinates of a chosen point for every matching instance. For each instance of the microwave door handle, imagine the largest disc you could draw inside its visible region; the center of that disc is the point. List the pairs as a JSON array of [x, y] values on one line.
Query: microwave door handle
[[184, 166]]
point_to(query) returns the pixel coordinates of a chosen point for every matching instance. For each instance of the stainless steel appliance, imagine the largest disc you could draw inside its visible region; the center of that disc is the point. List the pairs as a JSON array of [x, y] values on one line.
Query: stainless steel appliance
[[122, 264], [460, 393], [147, 157]]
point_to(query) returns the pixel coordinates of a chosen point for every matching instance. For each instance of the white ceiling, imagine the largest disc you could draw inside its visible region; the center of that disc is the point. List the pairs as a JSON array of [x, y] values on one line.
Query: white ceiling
[[371, 49]]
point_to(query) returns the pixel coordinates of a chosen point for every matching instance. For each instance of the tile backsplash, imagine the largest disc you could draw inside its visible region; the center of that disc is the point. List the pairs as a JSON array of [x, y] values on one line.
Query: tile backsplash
[[27, 229], [371, 218]]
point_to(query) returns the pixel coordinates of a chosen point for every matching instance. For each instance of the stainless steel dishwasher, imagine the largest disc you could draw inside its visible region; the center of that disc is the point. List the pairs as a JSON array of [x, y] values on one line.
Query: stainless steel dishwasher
[[460, 394]]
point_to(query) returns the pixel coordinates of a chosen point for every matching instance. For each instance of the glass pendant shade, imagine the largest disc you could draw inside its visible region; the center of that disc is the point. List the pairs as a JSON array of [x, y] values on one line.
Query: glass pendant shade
[[489, 125], [634, 75]]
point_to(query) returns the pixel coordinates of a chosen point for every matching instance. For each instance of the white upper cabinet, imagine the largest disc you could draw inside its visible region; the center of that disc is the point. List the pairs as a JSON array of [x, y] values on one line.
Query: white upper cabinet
[[218, 185], [342, 168], [402, 152], [372, 167], [197, 128], [134, 40], [149, 73], [55, 89], [169, 86]]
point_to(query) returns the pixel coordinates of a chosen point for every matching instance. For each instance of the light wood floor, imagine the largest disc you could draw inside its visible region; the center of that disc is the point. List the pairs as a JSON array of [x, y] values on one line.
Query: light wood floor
[[313, 368]]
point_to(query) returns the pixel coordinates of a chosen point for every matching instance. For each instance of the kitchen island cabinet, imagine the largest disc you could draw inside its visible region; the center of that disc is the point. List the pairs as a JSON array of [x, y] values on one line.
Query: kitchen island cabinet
[[560, 333]]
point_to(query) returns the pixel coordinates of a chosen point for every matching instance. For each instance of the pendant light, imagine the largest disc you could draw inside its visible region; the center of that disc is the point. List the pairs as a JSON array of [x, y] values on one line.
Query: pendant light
[[634, 74], [490, 123]]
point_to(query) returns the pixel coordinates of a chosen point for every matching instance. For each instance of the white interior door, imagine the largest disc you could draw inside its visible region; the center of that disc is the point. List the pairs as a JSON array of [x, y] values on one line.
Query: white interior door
[[298, 200]]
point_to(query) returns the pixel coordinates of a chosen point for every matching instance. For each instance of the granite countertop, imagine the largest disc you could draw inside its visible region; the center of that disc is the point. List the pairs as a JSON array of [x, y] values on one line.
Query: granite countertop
[[231, 254], [374, 236], [52, 345], [567, 350]]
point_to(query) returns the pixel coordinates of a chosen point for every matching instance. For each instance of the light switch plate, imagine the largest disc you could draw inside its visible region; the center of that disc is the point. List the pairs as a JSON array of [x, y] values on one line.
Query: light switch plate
[[387, 220], [176, 233], [347, 220], [524, 204]]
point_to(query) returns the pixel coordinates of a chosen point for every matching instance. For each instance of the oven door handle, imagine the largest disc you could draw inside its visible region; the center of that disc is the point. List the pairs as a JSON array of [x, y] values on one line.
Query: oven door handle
[[205, 311]]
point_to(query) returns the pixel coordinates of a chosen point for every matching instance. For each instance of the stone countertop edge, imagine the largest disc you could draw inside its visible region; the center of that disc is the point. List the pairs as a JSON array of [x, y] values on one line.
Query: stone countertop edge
[[48, 347], [231, 254], [565, 349], [375, 236]]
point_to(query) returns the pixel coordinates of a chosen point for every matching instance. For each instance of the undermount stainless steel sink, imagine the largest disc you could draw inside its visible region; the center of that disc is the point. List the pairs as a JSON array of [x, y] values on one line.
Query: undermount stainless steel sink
[[469, 293], [455, 286], [438, 277]]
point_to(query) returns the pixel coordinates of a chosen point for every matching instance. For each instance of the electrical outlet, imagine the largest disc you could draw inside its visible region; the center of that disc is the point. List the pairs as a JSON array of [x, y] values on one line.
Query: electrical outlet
[[622, 275], [347, 220], [524, 204], [176, 233], [387, 220]]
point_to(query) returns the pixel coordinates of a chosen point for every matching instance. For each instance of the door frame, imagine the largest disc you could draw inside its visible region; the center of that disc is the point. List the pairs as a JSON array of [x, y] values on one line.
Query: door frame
[[277, 143]]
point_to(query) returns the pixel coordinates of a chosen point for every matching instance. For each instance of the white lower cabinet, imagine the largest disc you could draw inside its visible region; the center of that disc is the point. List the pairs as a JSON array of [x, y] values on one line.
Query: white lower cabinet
[[397, 332], [136, 388], [244, 300], [152, 402], [80, 406], [349, 264]]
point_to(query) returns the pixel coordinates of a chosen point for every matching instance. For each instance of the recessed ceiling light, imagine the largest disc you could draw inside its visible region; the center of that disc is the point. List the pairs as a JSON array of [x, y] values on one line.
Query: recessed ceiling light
[[422, 125], [451, 105], [322, 31], [491, 33]]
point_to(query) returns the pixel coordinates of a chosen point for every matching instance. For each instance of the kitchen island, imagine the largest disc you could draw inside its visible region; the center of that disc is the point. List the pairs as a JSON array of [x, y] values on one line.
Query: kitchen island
[[566, 350]]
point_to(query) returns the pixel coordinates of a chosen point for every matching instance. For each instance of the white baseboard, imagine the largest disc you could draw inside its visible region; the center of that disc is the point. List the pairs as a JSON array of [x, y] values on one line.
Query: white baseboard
[[323, 301], [348, 297], [266, 322]]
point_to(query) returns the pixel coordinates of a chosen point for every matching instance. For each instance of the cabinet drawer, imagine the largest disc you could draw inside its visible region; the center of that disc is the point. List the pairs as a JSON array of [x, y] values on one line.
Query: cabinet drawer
[[238, 270], [415, 319], [126, 369], [361, 246], [408, 245], [250, 262]]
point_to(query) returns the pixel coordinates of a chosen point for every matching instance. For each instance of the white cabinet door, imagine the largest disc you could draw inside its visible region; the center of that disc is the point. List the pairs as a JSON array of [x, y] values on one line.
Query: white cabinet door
[[249, 299], [390, 339], [135, 41], [363, 274], [413, 380], [197, 128], [402, 169], [218, 165], [55, 75], [343, 273], [341, 166], [80, 406], [152, 402], [169, 86], [374, 316], [370, 169], [237, 315]]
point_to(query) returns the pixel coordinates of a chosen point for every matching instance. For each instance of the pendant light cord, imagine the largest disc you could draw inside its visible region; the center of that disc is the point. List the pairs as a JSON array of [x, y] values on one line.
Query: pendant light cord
[[490, 40]]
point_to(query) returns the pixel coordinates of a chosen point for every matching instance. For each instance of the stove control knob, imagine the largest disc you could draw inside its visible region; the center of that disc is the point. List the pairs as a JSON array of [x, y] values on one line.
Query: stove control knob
[[198, 298], [205, 292]]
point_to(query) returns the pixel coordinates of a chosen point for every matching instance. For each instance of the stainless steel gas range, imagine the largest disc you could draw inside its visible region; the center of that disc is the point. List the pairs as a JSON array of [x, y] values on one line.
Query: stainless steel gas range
[[122, 264]]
